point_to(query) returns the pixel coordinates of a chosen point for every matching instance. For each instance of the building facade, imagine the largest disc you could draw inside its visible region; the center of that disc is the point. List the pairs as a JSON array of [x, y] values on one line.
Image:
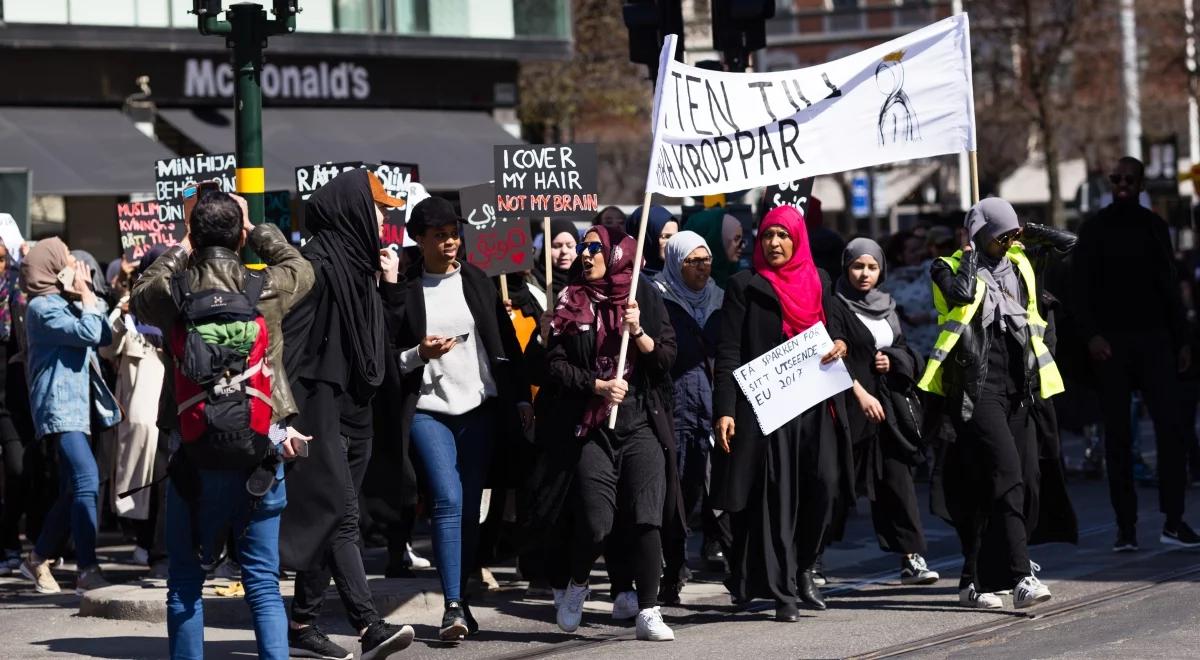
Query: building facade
[[92, 93]]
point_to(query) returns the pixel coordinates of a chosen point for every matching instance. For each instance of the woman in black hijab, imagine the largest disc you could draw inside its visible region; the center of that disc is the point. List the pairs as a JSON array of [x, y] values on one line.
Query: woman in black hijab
[[334, 352], [885, 435]]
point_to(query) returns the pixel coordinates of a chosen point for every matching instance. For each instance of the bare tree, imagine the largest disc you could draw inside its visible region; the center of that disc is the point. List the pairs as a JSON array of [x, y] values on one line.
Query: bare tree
[[596, 96], [1041, 36]]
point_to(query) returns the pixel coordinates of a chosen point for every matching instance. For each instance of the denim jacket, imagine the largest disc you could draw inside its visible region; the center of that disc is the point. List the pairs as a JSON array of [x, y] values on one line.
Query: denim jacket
[[62, 340]]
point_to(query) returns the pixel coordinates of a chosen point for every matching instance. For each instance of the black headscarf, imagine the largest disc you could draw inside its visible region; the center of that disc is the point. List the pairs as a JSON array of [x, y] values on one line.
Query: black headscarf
[[345, 247]]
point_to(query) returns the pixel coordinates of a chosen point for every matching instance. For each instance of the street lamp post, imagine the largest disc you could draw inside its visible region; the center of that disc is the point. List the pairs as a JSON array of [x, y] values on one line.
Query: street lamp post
[[246, 29]]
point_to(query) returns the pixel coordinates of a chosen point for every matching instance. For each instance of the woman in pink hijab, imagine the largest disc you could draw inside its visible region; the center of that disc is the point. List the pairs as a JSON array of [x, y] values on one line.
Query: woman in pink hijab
[[781, 487]]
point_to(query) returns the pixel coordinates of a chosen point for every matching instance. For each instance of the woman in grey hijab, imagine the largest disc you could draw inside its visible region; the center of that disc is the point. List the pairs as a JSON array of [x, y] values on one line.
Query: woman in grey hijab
[[885, 447], [990, 370]]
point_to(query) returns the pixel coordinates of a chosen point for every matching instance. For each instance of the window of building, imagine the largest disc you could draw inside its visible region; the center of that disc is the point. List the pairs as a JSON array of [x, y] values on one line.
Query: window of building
[[914, 13], [844, 16], [784, 22]]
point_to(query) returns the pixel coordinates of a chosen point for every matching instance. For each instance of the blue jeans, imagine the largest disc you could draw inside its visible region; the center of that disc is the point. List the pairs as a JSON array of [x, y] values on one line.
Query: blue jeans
[[456, 452], [224, 503], [75, 509]]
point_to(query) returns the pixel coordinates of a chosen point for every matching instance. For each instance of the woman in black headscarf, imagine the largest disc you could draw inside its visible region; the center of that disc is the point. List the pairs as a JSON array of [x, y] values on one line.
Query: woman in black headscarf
[[334, 354], [885, 435]]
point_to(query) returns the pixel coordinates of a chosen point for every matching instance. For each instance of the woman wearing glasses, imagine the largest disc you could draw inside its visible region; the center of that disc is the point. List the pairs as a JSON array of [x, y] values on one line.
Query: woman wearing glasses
[[693, 304], [991, 363], [620, 478]]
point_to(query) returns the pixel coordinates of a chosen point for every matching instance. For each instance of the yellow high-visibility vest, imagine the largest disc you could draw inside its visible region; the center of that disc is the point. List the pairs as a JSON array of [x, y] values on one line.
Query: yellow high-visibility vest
[[953, 321]]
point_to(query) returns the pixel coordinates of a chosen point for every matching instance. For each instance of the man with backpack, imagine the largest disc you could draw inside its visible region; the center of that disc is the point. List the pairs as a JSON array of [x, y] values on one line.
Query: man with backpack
[[229, 405]]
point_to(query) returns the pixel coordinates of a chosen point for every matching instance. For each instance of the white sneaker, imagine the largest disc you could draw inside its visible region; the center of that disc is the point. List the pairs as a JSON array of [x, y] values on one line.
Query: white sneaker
[[141, 556], [968, 597], [415, 560], [625, 606], [914, 570], [570, 608], [650, 626], [1029, 592]]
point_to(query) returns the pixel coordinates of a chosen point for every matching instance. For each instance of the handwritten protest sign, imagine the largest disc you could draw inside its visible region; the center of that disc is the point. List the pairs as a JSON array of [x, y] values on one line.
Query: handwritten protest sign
[[789, 379], [311, 177], [397, 179], [141, 228], [717, 131], [792, 193], [541, 180], [171, 175], [497, 245]]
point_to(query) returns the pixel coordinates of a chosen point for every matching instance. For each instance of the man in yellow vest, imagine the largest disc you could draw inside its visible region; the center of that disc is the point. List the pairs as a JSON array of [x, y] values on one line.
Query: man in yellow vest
[[990, 362]]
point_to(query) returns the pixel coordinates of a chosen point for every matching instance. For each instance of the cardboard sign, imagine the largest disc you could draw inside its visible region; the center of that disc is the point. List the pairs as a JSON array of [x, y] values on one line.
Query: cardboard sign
[[142, 228], [497, 245], [787, 380], [534, 181], [792, 193], [171, 175]]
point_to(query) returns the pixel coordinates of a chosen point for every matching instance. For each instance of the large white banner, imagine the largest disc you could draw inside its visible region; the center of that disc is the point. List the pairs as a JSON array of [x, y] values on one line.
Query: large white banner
[[718, 132]]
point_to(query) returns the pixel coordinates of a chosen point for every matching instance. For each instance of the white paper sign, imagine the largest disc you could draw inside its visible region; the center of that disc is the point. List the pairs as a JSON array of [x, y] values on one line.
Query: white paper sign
[[789, 379], [10, 233], [716, 131]]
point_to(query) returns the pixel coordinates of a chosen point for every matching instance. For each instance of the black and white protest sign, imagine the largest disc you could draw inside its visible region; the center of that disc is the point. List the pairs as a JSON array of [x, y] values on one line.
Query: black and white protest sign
[[311, 177], [789, 379], [397, 178], [543, 180], [496, 245], [791, 193], [717, 131], [171, 175]]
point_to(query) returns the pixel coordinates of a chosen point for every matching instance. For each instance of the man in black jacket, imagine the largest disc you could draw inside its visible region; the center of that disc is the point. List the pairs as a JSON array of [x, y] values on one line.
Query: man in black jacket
[[1129, 306]]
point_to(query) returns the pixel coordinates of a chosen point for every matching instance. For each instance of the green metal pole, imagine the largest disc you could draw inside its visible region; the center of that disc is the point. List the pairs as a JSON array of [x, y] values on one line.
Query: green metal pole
[[249, 34]]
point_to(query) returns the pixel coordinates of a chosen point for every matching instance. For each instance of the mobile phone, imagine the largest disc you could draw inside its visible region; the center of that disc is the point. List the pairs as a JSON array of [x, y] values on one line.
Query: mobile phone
[[66, 277], [461, 338], [210, 185]]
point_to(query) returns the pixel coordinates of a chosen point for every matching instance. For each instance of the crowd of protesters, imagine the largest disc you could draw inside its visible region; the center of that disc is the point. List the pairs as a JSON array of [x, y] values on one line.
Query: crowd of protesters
[[251, 419]]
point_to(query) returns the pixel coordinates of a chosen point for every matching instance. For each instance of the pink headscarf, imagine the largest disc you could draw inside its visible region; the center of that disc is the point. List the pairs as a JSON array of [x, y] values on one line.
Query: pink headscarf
[[797, 282]]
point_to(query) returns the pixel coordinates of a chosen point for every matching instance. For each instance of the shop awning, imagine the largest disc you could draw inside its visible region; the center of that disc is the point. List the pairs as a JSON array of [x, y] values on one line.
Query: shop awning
[[452, 148], [79, 151]]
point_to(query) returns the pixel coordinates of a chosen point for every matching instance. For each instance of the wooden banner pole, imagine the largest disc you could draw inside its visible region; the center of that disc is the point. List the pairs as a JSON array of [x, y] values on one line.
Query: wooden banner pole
[[504, 287], [546, 240], [974, 177], [637, 271]]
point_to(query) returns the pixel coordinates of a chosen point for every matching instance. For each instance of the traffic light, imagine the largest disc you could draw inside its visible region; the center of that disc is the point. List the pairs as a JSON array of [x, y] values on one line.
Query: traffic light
[[739, 28], [649, 22]]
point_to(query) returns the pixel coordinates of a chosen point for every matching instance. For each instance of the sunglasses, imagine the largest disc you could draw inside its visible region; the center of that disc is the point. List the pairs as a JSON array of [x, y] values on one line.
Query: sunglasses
[[1129, 179], [1008, 237], [697, 261], [592, 249]]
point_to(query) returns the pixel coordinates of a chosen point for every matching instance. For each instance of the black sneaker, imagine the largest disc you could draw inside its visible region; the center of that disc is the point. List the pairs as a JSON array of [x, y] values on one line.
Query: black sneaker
[[1126, 541], [310, 642], [454, 623], [472, 624], [1179, 535], [383, 639]]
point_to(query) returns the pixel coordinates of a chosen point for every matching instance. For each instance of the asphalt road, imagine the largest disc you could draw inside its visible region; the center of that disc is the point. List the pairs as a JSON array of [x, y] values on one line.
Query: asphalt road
[[1137, 605]]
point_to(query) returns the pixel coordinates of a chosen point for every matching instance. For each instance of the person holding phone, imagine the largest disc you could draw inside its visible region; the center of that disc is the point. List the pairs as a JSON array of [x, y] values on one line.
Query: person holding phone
[[466, 393], [66, 323]]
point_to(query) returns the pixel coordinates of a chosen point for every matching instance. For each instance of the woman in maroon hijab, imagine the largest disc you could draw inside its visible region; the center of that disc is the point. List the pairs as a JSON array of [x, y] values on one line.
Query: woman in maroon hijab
[[780, 487], [621, 476]]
